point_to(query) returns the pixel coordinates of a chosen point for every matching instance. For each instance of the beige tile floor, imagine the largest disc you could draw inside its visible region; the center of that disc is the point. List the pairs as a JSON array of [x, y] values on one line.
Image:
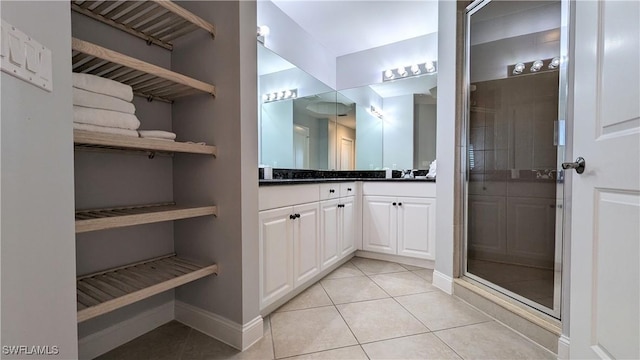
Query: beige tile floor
[[366, 309]]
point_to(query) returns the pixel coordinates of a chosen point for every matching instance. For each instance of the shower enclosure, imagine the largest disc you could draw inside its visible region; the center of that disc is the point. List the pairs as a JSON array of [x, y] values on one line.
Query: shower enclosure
[[514, 132]]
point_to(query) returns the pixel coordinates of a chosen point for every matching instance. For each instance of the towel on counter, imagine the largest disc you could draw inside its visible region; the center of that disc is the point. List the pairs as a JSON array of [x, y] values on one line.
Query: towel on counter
[[106, 130], [100, 101], [102, 85], [106, 118], [157, 134]]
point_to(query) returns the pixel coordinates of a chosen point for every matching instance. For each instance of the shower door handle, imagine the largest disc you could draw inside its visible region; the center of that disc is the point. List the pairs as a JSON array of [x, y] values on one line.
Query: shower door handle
[[579, 165]]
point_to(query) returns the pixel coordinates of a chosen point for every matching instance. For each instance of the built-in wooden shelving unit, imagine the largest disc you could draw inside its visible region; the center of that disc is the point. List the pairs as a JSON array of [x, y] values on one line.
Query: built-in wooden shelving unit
[[148, 80], [158, 22], [102, 292], [111, 218], [89, 140]]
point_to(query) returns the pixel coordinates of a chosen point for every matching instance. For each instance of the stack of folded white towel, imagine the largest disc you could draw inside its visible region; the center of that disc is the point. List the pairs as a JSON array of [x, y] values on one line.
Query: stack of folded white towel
[[104, 105]]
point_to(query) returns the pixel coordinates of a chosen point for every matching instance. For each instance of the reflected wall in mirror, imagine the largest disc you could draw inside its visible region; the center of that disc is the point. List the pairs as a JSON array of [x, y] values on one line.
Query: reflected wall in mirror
[[395, 123], [297, 118]]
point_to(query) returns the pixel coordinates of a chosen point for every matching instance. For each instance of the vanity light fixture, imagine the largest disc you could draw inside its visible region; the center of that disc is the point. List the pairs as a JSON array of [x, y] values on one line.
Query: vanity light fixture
[[537, 65], [428, 67], [389, 74], [280, 95], [518, 68], [533, 67], [263, 30], [376, 112]]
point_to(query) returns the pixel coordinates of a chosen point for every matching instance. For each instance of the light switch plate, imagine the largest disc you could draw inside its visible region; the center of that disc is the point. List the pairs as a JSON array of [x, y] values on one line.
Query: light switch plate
[[25, 58]]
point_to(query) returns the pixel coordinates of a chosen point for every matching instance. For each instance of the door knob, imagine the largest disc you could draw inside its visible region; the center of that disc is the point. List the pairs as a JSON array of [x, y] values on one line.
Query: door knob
[[579, 165]]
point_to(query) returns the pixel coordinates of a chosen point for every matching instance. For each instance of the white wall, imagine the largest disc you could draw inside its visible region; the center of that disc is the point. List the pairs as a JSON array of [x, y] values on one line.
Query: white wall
[[398, 132], [38, 232], [365, 67], [293, 43], [446, 134]]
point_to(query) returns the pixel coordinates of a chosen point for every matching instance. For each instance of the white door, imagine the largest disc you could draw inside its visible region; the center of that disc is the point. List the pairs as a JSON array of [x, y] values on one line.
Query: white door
[[605, 234], [379, 224], [416, 227], [300, 147], [346, 154], [329, 232], [306, 244], [347, 226], [276, 254]]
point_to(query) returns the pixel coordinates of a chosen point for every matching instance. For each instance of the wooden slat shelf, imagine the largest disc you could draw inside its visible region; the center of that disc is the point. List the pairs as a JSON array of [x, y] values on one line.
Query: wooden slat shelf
[[98, 141], [147, 80], [157, 22], [102, 292], [102, 219]]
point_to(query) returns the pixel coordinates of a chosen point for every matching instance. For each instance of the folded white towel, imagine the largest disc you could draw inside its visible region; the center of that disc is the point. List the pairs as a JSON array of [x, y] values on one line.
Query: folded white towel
[[106, 130], [105, 118], [102, 85], [100, 101], [157, 134]]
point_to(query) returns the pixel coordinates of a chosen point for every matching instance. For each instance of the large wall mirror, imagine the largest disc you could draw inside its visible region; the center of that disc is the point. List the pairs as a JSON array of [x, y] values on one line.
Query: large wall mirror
[[297, 118], [372, 121]]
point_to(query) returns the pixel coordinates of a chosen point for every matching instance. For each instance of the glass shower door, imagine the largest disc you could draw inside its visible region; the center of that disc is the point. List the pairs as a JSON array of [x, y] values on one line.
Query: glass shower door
[[514, 140]]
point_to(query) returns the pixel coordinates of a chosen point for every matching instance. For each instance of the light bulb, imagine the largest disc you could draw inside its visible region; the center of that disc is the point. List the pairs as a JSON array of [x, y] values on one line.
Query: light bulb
[[273, 96], [265, 97], [263, 30], [430, 66], [415, 69], [555, 62], [402, 71], [287, 94], [294, 94], [518, 68], [388, 74], [537, 65]]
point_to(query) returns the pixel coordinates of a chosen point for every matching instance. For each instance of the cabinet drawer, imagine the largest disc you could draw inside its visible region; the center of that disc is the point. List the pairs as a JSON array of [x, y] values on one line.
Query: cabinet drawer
[[400, 188], [271, 197], [329, 191], [347, 189]]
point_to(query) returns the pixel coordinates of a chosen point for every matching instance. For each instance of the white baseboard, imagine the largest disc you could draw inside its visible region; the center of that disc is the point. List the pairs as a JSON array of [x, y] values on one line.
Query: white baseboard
[[563, 348], [229, 332], [428, 264], [98, 343], [443, 282]]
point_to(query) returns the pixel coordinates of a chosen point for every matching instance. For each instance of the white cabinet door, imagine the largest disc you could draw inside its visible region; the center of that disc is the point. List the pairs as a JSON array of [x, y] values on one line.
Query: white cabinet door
[[379, 224], [347, 226], [329, 232], [276, 254], [306, 244], [416, 227]]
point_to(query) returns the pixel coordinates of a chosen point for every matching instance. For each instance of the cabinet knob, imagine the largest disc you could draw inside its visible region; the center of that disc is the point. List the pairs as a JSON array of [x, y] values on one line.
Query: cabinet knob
[[292, 217], [331, 191], [399, 204], [348, 189], [394, 204], [297, 216]]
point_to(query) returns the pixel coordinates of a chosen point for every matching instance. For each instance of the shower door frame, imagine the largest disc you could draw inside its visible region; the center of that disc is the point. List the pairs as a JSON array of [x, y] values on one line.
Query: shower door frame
[[561, 190]]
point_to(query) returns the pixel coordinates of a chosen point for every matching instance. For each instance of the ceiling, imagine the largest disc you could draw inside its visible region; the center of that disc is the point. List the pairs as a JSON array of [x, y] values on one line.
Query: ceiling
[[345, 27]]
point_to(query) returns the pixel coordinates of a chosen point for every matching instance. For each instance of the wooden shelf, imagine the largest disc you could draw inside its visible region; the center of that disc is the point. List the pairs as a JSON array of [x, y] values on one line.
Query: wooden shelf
[[102, 292], [158, 22], [89, 140], [147, 80], [102, 219]]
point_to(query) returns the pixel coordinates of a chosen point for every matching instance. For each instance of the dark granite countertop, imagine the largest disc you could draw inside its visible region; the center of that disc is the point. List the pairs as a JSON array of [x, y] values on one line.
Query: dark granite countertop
[[263, 182]]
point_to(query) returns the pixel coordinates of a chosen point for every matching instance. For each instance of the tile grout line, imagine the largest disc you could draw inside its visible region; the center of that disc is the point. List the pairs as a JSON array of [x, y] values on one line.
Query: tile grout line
[[447, 345], [273, 343], [342, 317]]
